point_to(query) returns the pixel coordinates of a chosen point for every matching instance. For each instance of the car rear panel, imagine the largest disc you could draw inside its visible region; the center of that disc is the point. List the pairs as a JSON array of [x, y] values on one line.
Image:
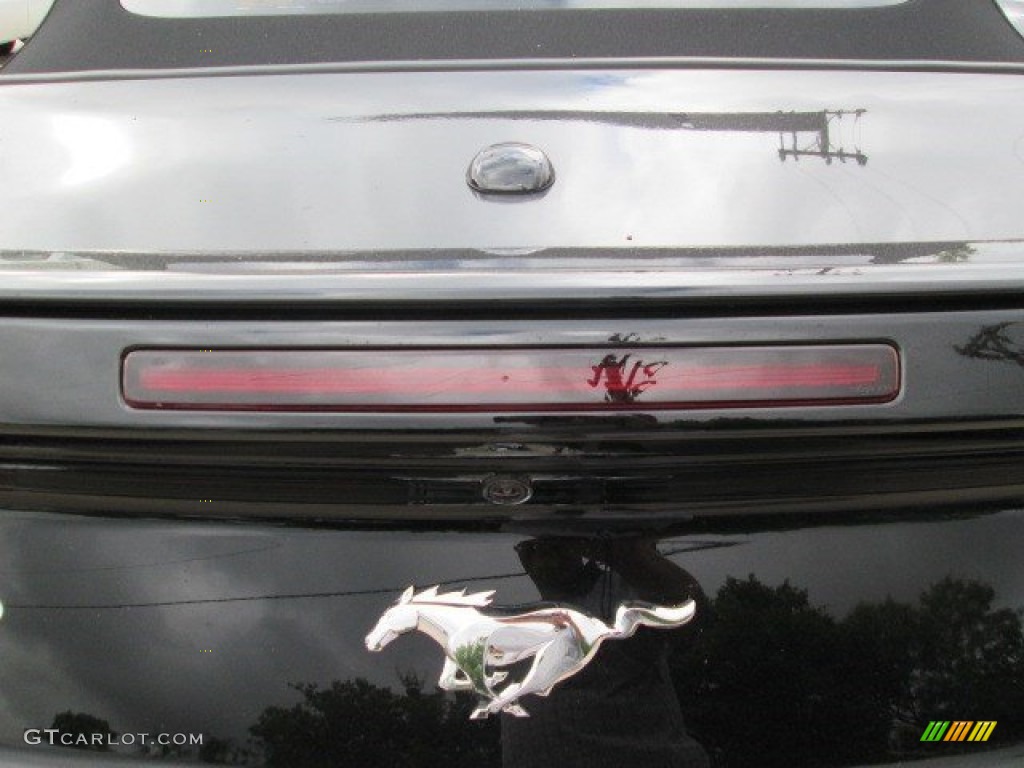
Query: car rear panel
[[854, 566]]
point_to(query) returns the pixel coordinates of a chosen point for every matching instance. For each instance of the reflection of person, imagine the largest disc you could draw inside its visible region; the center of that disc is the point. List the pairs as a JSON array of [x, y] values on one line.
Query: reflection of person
[[622, 708]]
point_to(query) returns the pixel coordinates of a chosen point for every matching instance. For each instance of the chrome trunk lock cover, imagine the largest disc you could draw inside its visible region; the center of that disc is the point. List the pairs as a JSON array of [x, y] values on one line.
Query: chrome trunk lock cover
[[510, 169]]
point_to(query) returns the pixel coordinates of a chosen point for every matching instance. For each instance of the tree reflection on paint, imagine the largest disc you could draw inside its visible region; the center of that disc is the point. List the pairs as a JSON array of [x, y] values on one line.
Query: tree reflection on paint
[[999, 342], [775, 681], [769, 680], [352, 722]]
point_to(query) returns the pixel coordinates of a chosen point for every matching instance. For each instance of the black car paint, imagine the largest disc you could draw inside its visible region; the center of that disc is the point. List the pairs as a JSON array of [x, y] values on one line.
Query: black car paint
[[951, 437], [857, 569], [830, 645], [710, 169]]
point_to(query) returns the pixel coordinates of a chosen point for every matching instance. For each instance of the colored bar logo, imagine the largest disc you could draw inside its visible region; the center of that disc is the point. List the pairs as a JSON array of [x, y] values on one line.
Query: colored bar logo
[[958, 730]]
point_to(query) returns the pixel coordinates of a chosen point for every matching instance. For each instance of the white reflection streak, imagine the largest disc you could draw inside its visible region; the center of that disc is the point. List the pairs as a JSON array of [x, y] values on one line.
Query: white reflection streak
[[1014, 10], [96, 146], [209, 8]]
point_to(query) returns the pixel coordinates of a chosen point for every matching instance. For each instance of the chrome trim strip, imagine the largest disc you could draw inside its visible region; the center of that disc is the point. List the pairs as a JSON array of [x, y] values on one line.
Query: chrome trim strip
[[196, 9], [470, 286], [486, 65]]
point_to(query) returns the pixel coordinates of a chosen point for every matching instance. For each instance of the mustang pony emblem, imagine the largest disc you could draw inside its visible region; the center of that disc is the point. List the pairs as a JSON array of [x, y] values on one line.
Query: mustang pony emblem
[[560, 641]]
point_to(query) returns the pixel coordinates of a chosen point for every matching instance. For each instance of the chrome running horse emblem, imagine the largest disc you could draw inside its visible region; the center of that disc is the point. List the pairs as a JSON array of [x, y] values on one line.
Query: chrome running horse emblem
[[561, 641]]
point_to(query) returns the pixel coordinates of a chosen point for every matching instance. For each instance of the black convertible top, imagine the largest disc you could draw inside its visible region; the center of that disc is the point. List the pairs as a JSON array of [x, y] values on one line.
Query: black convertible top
[[100, 35]]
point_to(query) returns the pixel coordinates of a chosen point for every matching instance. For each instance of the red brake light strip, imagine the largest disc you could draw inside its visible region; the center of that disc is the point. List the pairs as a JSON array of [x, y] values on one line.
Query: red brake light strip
[[510, 380]]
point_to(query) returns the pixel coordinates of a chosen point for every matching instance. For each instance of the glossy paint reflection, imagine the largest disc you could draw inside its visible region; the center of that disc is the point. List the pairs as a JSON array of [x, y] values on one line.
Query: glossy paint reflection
[[801, 134], [1000, 342], [817, 646], [341, 170], [623, 707], [95, 147]]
